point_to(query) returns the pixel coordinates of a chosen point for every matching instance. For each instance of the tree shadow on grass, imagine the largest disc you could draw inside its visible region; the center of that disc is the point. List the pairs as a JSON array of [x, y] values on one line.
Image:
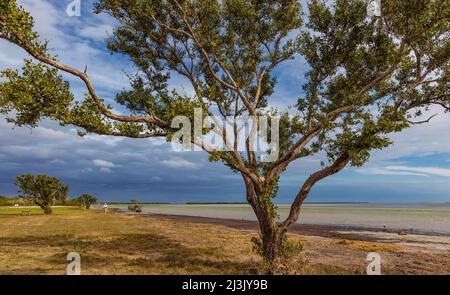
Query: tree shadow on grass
[[126, 253]]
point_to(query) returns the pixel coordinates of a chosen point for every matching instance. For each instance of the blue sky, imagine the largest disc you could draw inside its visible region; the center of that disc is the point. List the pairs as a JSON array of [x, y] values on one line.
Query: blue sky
[[415, 169]]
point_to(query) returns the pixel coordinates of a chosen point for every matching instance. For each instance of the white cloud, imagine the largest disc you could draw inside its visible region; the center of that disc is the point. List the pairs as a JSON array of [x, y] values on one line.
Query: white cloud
[[419, 140], [422, 170], [406, 171], [97, 33], [385, 171], [10, 56], [103, 164], [47, 17], [57, 162], [47, 133], [69, 40], [180, 163]]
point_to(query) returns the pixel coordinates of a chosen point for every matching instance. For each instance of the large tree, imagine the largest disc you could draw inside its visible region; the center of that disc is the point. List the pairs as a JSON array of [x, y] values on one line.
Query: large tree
[[367, 78], [42, 190]]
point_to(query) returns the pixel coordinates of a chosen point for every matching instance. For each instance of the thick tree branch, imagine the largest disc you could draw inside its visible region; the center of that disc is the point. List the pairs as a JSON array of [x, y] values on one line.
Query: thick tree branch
[[294, 213], [150, 119], [276, 167]]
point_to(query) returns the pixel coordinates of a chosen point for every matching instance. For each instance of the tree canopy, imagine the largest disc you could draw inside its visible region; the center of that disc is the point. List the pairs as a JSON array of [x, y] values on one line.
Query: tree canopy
[[43, 190], [85, 201]]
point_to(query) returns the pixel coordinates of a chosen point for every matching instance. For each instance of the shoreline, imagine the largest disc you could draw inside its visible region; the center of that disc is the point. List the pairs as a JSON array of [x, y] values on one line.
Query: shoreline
[[327, 231], [412, 220]]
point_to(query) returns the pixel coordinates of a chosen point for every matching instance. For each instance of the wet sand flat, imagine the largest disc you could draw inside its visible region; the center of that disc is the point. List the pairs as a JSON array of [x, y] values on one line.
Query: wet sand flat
[[418, 218]]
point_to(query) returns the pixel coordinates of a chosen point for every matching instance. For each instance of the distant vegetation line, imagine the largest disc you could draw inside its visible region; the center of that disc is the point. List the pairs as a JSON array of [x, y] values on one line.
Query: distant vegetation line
[[225, 203], [143, 203], [11, 201]]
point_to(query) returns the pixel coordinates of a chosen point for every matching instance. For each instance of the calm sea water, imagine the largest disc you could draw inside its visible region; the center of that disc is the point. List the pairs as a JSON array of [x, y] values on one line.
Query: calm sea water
[[417, 217]]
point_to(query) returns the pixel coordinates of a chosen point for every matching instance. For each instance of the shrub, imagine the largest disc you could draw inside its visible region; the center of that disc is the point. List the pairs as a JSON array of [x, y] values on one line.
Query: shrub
[[135, 206]]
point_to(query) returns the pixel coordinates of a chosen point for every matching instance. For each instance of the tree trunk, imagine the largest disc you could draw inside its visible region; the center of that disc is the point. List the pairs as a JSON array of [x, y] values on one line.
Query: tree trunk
[[271, 243], [273, 234], [269, 229], [47, 210], [44, 206]]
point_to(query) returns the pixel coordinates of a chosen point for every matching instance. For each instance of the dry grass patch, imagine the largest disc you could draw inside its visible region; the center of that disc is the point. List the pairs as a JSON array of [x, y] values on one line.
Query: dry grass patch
[[116, 243], [370, 246], [120, 244]]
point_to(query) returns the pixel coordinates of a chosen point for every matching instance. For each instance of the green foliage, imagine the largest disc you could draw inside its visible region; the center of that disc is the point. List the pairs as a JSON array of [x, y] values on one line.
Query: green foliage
[[269, 192], [287, 248], [37, 91], [43, 190], [16, 25], [135, 206], [290, 248], [348, 51], [86, 114], [85, 201], [222, 45], [233, 32], [11, 201]]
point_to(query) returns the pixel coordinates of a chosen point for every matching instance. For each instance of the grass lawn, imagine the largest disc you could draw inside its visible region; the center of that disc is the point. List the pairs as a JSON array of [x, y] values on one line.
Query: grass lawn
[[38, 211], [117, 243]]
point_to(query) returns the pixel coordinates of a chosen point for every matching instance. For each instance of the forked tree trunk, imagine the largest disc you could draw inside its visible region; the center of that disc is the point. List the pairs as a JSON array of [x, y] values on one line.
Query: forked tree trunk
[[272, 233]]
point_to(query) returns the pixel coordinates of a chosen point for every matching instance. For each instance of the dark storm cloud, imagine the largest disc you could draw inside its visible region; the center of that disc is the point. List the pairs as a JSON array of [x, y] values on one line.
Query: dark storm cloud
[[115, 168]]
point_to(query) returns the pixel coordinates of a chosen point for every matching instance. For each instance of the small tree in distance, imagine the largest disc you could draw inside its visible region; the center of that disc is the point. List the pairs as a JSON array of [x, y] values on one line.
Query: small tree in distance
[[86, 201], [42, 190], [135, 206]]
